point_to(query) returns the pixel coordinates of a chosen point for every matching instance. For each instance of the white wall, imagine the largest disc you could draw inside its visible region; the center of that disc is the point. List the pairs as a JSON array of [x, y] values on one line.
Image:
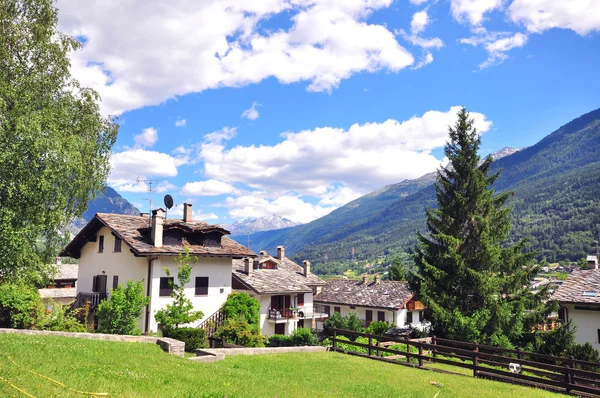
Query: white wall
[[124, 264], [218, 271], [397, 318], [588, 324]]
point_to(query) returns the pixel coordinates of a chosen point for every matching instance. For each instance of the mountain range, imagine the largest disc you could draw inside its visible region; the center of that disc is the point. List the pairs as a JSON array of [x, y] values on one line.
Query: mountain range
[[557, 196], [257, 224]]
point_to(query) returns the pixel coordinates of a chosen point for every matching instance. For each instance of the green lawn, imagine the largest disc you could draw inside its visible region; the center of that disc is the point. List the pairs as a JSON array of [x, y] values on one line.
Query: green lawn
[[143, 370]]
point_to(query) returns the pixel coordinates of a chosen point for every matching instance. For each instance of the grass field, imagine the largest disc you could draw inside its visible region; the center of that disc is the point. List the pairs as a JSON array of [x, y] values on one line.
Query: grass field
[[143, 370]]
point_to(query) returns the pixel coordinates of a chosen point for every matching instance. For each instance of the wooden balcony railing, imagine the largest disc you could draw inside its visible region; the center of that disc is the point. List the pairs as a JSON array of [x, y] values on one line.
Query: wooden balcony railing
[[307, 311], [93, 299]]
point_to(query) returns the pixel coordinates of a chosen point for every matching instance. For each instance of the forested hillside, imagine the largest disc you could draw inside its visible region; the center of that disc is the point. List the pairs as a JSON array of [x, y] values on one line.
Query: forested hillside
[[557, 204]]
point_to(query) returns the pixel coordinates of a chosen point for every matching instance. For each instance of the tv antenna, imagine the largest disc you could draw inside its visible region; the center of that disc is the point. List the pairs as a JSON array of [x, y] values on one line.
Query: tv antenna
[[149, 182]]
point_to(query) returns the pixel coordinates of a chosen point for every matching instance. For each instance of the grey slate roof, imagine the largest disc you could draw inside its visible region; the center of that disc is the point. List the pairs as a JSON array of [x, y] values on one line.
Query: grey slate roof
[[386, 294], [135, 233], [67, 292], [287, 278], [571, 291], [66, 271]]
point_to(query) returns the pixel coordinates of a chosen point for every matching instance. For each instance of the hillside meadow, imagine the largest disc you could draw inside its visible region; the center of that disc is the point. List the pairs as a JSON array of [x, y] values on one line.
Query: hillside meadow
[[143, 370]]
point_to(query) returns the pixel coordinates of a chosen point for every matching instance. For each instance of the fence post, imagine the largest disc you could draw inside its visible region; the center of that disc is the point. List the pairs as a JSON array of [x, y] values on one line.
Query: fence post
[[370, 346], [333, 341], [568, 375], [407, 352], [519, 354], [223, 341], [420, 355], [434, 343], [378, 353], [475, 359]]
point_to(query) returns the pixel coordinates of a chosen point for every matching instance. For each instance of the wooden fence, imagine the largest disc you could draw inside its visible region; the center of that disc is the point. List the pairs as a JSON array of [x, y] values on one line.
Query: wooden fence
[[542, 371]]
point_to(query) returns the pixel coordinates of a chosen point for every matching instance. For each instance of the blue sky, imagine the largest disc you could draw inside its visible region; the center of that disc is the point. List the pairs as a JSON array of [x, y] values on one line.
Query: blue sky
[[295, 107]]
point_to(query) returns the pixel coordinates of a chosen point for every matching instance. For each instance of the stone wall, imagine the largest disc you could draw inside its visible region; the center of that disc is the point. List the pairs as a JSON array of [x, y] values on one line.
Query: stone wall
[[169, 345]]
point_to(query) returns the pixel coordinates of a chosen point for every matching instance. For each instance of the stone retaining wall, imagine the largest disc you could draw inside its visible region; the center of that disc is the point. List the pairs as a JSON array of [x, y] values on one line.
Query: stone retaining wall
[[169, 345], [212, 354]]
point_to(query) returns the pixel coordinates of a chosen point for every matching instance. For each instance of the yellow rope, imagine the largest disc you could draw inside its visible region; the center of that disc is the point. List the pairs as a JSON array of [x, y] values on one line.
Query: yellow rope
[[16, 388], [58, 382]]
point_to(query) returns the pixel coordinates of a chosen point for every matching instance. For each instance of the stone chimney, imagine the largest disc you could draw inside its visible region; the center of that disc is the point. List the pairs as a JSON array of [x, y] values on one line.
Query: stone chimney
[[187, 212], [377, 279], [248, 264], [263, 253], [306, 264], [280, 252], [365, 279], [158, 219], [145, 215]]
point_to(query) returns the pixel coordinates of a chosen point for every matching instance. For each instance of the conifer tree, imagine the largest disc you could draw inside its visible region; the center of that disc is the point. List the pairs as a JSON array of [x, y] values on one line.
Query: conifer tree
[[474, 287]]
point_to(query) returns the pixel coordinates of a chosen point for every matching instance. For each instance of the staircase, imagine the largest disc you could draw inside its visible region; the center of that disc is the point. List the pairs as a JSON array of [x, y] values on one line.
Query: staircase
[[213, 322]]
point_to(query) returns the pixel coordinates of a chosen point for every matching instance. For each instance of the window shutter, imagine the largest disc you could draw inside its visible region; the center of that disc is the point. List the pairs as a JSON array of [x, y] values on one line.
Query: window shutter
[[300, 299], [201, 285], [94, 284], [115, 281]]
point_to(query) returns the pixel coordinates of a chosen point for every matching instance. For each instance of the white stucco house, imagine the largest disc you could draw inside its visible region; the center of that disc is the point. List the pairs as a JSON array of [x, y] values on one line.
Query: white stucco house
[[113, 248], [579, 299], [284, 289], [389, 301]]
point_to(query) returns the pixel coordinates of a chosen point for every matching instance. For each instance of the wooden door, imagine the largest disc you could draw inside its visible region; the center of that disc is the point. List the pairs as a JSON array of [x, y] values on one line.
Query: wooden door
[[280, 328]]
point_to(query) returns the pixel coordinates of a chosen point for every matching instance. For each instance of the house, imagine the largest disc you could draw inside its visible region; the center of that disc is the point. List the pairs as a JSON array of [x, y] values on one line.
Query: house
[[389, 301], [579, 299], [62, 288], [284, 289], [113, 248]]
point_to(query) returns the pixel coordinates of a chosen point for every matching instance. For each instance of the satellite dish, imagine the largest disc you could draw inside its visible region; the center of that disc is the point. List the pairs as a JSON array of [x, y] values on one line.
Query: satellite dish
[[168, 201]]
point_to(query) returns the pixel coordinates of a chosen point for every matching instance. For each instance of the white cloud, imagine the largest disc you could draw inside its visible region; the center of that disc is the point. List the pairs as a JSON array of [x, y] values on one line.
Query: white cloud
[[362, 158], [180, 123], [497, 44], [208, 188], [290, 207], [473, 11], [581, 16], [197, 215], [419, 22], [225, 134], [146, 139], [128, 165], [426, 59], [251, 113], [417, 2], [339, 196], [165, 186], [193, 46]]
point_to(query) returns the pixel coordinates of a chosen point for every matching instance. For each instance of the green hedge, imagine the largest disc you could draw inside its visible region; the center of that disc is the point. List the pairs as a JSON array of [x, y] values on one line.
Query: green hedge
[[280, 340], [192, 337]]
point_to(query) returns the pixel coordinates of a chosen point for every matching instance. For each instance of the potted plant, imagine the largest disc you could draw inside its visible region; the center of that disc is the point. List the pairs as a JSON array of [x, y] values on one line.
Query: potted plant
[[294, 311]]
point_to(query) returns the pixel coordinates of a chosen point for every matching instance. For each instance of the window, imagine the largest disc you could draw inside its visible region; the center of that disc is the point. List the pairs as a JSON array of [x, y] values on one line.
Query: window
[[381, 316], [117, 244], [201, 285], [166, 287], [337, 309], [300, 299], [327, 310], [420, 316], [99, 284], [115, 281], [409, 319], [599, 336], [369, 316], [101, 244]]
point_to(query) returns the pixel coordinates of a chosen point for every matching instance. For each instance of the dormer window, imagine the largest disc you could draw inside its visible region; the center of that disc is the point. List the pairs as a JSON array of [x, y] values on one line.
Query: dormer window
[[268, 265]]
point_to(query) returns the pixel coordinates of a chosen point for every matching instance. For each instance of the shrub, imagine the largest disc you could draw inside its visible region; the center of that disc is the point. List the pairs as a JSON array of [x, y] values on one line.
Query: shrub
[[304, 336], [238, 331], [242, 303], [192, 337], [348, 322], [61, 318], [585, 352], [379, 327], [119, 314], [280, 340], [21, 307], [181, 310]]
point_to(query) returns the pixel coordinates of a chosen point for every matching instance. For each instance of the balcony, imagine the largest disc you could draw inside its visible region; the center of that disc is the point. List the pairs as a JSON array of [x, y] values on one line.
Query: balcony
[[92, 298], [303, 312]]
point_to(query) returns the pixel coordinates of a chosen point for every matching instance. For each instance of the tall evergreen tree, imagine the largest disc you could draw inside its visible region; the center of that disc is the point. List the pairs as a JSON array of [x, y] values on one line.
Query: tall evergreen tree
[[474, 288]]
